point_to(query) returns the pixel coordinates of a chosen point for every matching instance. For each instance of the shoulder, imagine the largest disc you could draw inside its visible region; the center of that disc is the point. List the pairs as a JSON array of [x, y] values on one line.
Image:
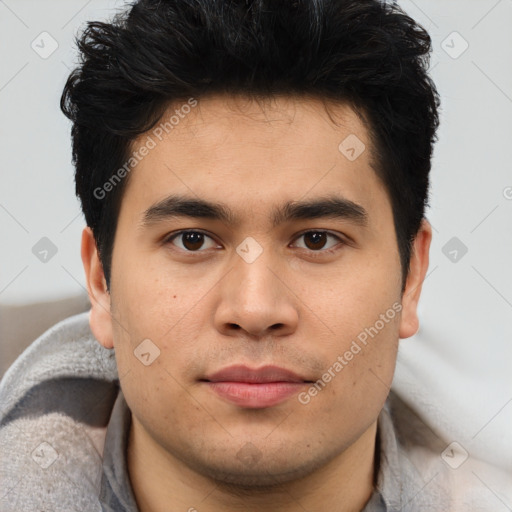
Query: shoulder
[[441, 474], [55, 404]]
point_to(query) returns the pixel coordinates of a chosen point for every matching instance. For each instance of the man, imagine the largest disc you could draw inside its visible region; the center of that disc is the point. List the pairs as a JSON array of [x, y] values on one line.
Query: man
[[253, 176]]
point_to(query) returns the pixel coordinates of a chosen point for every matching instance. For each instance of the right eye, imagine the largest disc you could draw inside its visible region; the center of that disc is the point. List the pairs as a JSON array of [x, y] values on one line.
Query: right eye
[[190, 241]]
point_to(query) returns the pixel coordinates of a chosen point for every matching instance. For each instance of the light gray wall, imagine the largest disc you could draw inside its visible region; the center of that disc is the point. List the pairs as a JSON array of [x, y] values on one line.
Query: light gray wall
[[37, 192]]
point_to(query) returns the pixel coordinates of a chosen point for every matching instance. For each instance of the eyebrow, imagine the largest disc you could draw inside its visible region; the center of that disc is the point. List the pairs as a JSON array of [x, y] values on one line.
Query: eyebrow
[[333, 207]]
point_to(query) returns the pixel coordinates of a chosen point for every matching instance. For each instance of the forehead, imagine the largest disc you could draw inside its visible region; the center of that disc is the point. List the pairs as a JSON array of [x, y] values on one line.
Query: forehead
[[220, 120], [254, 154]]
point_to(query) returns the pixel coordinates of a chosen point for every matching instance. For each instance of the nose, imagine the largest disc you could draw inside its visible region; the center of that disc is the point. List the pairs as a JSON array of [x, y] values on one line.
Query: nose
[[255, 299]]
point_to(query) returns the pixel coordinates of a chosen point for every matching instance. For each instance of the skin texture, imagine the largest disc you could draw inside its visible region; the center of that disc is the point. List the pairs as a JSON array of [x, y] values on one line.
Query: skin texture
[[209, 309]]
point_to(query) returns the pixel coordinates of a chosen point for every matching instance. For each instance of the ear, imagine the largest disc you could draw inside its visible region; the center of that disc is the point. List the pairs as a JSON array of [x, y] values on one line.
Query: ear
[[100, 318], [409, 322]]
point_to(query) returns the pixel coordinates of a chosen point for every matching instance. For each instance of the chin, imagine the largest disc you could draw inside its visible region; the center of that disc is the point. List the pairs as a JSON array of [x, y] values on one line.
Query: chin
[[254, 477]]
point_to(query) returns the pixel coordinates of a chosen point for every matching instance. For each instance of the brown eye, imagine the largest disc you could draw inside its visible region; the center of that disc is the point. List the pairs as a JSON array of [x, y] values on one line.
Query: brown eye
[[315, 240], [318, 241], [191, 241]]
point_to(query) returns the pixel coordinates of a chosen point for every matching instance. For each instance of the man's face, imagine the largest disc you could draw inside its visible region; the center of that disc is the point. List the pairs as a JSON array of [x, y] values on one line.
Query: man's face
[[256, 290]]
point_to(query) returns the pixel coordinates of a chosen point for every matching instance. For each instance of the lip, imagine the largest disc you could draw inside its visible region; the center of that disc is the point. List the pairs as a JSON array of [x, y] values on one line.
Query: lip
[[265, 374], [255, 388]]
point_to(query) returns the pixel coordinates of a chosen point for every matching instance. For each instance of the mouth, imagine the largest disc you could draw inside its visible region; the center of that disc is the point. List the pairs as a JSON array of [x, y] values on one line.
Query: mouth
[[255, 388]]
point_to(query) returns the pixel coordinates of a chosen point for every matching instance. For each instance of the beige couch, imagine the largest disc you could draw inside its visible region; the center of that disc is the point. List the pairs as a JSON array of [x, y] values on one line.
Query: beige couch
[[21, 325]]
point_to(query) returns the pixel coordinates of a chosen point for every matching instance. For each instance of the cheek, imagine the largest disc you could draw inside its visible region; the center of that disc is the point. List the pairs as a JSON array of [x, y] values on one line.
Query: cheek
[[355, 302], [355, 383], [153, 378], [157, 328], [154, 300], [363, 317]]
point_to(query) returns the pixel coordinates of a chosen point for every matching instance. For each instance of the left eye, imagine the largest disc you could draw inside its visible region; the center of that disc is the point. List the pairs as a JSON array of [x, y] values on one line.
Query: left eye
[[316, 240]]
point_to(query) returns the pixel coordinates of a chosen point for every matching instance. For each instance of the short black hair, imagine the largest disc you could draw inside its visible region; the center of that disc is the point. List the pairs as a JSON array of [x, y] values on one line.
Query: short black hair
[[365, 53]]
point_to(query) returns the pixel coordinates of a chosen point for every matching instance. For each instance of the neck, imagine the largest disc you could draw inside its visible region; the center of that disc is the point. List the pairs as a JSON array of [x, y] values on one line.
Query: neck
[[161, 482]]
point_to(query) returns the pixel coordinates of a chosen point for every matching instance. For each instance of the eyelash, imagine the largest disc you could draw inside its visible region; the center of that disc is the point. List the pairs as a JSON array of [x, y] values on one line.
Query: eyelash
[[313, 253]]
